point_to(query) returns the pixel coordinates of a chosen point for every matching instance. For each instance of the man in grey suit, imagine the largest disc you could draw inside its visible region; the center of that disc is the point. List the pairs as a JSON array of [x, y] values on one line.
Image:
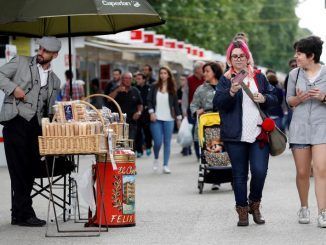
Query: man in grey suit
[[30, 89]]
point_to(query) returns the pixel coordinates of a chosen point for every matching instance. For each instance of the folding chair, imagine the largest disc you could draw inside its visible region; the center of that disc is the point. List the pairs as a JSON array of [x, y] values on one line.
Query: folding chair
[[62, 180]]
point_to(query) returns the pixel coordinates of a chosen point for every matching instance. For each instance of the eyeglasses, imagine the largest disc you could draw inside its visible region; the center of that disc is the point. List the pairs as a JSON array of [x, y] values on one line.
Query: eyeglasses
[[236, 57]]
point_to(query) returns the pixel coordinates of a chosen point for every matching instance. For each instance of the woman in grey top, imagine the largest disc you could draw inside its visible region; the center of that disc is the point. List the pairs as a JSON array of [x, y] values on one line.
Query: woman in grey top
[[203, 97], [306, 93]]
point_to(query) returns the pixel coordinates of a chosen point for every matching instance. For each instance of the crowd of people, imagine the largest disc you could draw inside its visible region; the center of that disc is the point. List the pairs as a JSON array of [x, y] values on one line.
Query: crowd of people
[[155, 105], [158, 106]]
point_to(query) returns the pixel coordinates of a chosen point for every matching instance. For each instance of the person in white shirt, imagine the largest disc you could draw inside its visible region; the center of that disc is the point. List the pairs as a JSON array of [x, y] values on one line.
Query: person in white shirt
[[163, 107]]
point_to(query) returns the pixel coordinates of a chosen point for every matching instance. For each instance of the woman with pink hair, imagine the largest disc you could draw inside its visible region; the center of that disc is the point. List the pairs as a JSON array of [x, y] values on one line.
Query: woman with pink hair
[[241, 129]]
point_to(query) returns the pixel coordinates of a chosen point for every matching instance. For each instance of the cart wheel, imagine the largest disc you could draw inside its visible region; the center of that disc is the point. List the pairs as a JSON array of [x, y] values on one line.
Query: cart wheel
[[200, 187]]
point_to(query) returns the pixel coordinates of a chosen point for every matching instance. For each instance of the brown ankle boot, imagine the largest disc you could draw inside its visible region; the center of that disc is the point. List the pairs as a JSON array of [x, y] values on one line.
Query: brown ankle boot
[[243, 215], [254, 210]]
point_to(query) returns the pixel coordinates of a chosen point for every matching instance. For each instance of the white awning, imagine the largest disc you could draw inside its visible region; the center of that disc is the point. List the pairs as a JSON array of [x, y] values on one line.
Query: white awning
[[166, 54]]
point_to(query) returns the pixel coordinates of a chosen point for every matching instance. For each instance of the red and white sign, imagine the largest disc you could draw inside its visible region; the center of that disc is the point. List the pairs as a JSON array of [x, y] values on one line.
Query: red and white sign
[[149, 37], [201, 53], [195, 51], [188, 48], [170, 43], [159, 40], [136, 35], [180, 45]]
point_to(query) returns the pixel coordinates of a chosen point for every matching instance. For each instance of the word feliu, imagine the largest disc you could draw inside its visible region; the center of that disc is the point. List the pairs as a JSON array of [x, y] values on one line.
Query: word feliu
[[122, 219]]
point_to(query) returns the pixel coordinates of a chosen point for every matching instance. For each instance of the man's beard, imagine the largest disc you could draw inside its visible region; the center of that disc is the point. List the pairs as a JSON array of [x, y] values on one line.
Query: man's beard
[[40, 60]]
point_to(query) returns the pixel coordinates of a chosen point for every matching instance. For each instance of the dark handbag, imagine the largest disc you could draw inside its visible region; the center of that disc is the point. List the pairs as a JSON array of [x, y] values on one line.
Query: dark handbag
[[276, 138], [63, 165]]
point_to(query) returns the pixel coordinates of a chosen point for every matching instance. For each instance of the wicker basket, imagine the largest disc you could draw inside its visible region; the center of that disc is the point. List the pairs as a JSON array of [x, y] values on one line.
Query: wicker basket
[[83, 144], [64, 145]]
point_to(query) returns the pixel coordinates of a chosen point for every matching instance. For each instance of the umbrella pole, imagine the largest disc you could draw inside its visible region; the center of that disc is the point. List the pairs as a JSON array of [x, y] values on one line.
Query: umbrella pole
[[69, 56]]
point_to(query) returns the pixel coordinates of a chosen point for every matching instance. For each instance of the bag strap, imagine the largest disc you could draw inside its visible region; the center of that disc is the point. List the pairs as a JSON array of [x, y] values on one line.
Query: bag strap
[[296, 80], [251, 96]]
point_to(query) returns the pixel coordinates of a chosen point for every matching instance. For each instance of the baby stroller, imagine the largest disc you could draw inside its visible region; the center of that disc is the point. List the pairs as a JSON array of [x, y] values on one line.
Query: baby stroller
[[215, 166]]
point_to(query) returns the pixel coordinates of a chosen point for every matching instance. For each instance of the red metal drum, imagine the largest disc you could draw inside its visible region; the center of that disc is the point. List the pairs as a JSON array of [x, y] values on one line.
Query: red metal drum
[[119, 190]]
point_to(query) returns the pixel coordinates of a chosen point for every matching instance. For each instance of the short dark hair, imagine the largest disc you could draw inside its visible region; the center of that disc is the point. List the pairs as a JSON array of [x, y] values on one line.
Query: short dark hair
[[270, 71], [272, 79], [292, 60], [141, 74], [149, 67], [118, 70], [95, 81], [216, 68], [312, 45], [69, 74]]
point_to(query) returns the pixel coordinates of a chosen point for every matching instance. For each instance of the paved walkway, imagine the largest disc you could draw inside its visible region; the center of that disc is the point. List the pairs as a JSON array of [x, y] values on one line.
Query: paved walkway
[[170, 211]]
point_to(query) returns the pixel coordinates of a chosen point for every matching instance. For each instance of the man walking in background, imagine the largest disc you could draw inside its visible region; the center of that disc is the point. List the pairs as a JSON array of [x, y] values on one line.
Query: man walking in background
[[143, 129], [194, 81], [112, 84], [130, 101], [77, 89], [148, 72]]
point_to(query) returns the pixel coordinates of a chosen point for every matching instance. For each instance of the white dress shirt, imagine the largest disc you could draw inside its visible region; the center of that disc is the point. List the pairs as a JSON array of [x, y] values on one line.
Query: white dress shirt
[[44, 74]]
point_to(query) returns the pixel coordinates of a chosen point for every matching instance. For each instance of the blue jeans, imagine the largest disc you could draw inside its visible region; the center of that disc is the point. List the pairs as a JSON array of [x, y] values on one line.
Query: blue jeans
[[162, 133], [242, 155]]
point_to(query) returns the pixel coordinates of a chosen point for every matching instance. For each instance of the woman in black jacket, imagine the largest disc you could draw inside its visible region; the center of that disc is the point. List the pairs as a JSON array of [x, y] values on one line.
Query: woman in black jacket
[[240, 126], [276, 112], [163, 108]]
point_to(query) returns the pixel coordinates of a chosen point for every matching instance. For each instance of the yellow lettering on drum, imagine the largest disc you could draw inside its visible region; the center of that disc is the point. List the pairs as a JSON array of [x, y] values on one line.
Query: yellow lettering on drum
[[127, 170], [122, 219]]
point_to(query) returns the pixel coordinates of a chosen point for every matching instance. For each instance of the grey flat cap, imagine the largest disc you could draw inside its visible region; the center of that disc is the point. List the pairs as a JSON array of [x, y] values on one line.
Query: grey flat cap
[[51, 44]]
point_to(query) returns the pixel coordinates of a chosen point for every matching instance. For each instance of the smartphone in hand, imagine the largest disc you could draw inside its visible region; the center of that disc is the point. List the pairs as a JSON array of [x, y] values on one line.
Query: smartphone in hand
[[311, 86], [239, 77]]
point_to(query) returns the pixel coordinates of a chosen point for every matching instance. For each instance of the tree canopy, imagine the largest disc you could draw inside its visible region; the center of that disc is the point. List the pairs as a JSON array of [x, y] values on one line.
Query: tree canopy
[[271, 25]]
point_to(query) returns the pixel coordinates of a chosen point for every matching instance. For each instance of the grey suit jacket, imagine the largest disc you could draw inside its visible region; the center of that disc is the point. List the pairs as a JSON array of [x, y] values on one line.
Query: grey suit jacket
[[23, 72]]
